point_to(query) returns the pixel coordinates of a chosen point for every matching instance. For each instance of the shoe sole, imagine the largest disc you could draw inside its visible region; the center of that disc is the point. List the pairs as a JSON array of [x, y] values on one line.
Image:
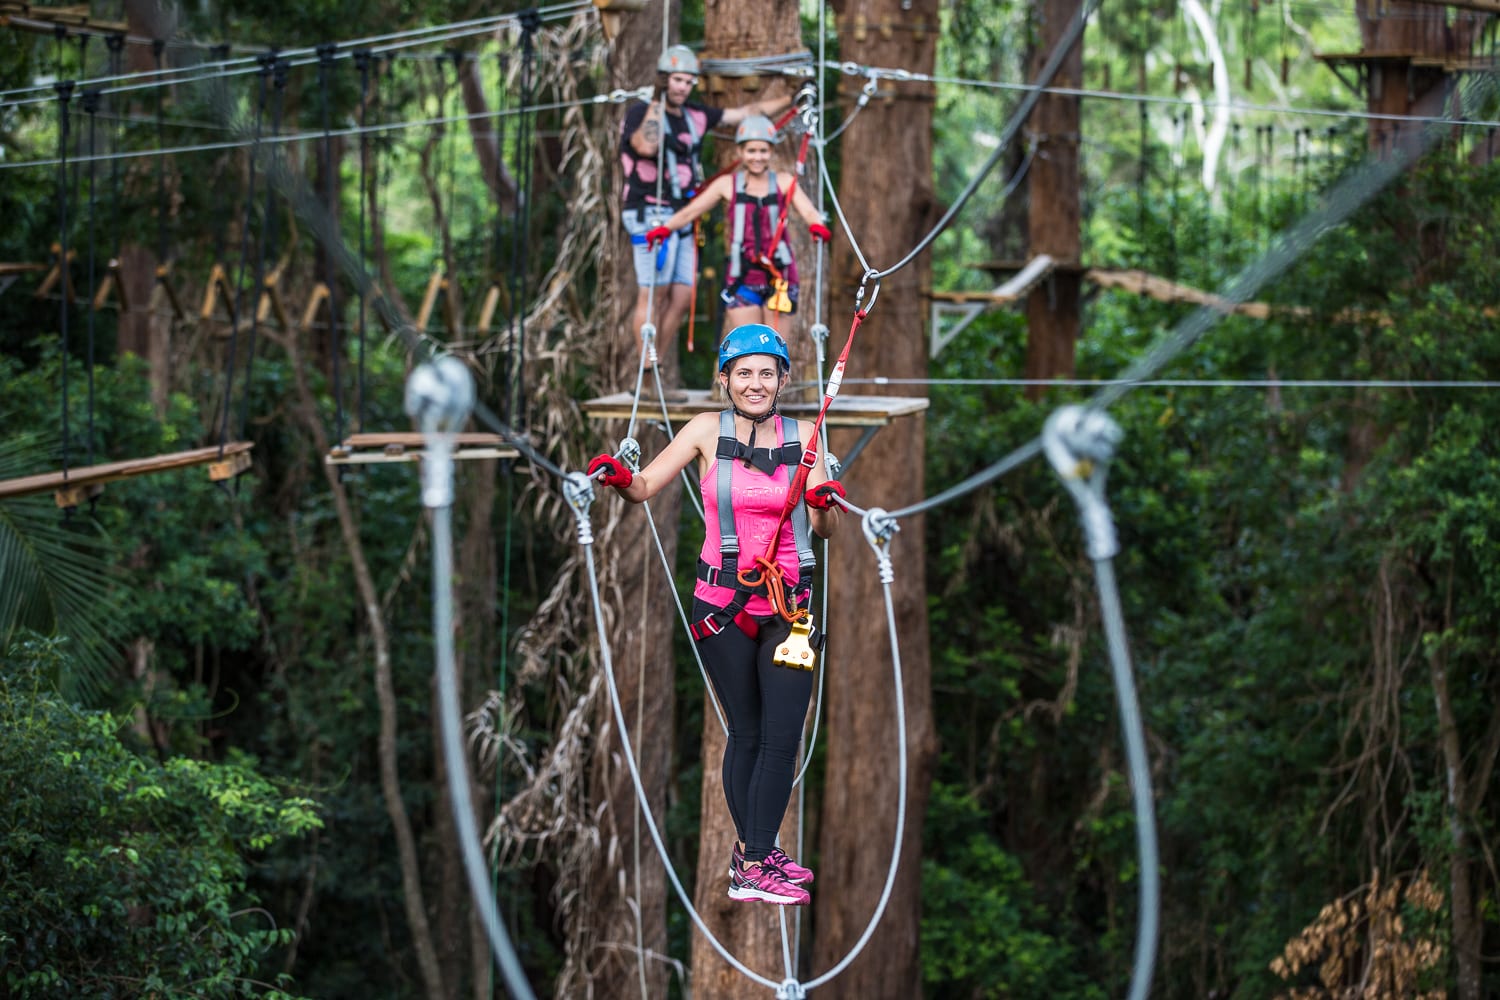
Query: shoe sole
[[765, 897]]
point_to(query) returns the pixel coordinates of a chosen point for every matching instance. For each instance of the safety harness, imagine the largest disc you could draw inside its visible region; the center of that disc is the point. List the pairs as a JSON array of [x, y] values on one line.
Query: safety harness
[[731, 449], [746, 213]]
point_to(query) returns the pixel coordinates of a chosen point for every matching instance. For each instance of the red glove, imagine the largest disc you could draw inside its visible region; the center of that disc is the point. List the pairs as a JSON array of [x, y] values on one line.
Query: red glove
[[616, 473], [820, 232], [820, 497], [657, 235]]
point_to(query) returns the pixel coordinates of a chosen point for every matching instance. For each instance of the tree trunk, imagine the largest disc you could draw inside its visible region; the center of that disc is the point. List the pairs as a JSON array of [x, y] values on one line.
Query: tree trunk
[[145, 331], [1052, 308], [886, 193], [1466, 926], [485, 136], [388, 753], [628, 889]]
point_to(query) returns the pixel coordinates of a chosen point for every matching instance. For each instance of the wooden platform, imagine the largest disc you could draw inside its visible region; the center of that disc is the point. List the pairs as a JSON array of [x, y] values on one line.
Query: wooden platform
[[846, 411], [410, 446], [81, 483]]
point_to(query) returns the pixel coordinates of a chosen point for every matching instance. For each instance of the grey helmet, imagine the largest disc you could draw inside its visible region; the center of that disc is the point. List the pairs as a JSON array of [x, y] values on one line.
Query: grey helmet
[[755, 128], [678, 59]]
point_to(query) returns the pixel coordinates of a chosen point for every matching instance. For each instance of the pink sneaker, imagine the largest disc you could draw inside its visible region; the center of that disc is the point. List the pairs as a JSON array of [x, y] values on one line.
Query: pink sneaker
[[795, 873], [756, 881]]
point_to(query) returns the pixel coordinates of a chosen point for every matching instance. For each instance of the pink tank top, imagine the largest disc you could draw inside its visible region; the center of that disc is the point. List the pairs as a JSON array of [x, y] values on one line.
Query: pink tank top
[[758, 499]]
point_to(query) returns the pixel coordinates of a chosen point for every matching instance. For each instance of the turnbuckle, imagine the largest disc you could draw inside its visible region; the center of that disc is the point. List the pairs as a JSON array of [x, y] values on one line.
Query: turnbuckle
[[1079, 443]]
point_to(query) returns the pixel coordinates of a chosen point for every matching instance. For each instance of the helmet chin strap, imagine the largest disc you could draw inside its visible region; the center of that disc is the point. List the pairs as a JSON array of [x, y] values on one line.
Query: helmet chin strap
[[755, 421]]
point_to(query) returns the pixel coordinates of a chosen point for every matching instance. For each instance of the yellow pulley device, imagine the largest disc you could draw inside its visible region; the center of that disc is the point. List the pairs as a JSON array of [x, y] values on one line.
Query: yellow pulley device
[[797, 649], [779, 301]]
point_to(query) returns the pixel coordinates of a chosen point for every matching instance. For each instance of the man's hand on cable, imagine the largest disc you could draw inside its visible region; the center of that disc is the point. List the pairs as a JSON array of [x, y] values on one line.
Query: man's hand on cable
[[820, 232], [656, 234], [820, 497], [615, 472]]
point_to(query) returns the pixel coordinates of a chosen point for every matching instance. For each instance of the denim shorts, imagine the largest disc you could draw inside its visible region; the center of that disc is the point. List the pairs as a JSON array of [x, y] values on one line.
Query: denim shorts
[[756, 295], [675, 259]]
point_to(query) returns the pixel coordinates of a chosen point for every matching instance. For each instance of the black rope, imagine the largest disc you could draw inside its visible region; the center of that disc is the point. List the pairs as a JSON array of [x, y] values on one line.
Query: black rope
[[362, 60], [268, 246], [455, 56], [1177, 158], [236, 308], [90, 104], [530, 22], [115, 43], [326, 54], [497, 126], [222, 206], [83, 74], [64, 90], [158, 48]]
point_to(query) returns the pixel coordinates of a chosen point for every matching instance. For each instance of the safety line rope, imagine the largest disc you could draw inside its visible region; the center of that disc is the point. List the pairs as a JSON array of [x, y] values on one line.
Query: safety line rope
[[306, 55]]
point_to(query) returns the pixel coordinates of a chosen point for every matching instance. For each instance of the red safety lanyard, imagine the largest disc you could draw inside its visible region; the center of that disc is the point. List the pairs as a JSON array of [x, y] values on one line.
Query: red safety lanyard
[[765, 570]]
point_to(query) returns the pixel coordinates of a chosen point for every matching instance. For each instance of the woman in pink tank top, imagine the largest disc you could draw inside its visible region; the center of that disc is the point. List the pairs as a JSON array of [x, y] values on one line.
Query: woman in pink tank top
[[737, 632]]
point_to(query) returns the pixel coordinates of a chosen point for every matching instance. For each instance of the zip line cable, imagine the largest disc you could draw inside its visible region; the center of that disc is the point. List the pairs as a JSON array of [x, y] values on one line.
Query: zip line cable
[[876, 73], [302, 56], [1070, 37], [619, 96], [1188, 383]]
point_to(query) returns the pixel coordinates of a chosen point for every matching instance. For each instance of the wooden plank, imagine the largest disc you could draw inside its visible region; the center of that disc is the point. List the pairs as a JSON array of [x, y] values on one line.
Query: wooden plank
[[846, 411], [91, 475], [9, 269], [411, 446]]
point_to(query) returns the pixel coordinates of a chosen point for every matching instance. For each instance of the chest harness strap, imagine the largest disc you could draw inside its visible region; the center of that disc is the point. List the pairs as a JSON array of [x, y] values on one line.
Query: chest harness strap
[[726, 574]]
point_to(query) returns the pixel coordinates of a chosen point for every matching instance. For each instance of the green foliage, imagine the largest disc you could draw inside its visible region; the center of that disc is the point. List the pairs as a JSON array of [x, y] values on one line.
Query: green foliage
[[983, 934], [145, 896]]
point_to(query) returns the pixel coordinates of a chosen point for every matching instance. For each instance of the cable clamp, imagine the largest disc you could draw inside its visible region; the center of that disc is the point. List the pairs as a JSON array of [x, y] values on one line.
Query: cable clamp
[[630, 453], [578, 490], [868, 90], [860, 294], [790, 989], [440, 397], [879, 528], [1079, 443], [853, 69], [648, 341]]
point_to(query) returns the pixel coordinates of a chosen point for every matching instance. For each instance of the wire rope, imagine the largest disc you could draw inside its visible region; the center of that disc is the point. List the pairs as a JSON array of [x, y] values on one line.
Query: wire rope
[[306, 55]]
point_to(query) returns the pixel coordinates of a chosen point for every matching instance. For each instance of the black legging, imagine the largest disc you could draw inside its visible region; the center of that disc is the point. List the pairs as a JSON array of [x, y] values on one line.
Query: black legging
[[764, 708]]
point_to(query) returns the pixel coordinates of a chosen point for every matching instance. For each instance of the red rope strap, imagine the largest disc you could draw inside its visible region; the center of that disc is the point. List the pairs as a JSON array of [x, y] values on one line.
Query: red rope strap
[[765, 569]]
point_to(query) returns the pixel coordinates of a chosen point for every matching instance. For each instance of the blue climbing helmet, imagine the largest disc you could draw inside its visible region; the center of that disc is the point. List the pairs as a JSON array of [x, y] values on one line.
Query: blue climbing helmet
[[753, 338]]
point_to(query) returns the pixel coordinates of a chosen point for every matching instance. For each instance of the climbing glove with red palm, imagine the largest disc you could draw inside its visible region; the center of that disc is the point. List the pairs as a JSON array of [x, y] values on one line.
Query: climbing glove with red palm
[[820, 232], [821, 496], [616, 472], [657, 234]]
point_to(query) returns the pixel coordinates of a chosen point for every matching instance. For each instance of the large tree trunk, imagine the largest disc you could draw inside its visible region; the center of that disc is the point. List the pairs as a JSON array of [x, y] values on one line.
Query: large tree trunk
[[886, 193], [1397, 32], [144, 330], [412, 896], [485, 136], [628, 890], [1052, 308], [751, 933]]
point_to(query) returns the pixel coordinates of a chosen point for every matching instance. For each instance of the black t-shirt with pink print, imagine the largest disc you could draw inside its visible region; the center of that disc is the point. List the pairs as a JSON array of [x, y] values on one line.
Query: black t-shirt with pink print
[[684, 142]]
